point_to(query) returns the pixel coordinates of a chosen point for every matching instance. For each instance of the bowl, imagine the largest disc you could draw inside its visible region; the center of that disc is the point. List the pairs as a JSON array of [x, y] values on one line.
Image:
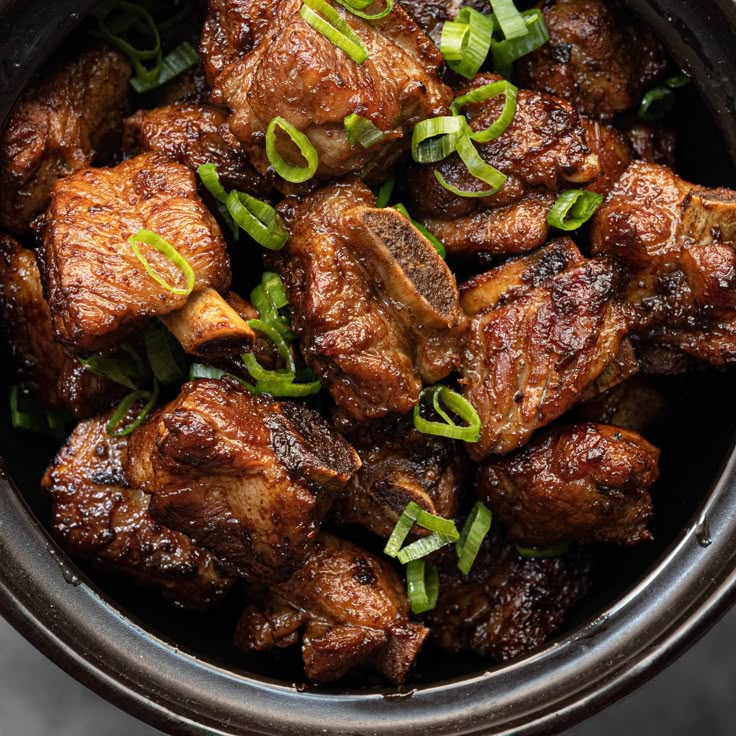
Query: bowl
[[178, 672]]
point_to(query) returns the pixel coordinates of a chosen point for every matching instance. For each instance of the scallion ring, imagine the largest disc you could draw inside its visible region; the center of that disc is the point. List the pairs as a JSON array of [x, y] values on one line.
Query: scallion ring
[[287, 389], [289, 172], [402, 529], [422, 586], [356, 7], [183, 57], [466, 40], [256, 370], [434, 139], [456, 404], [657, 103], [164, 355], [258, 219], [474, 531], [158, 243], [361, 130], [423, 547], [199, 370], [211, 180], [509, 19], [573, 208], [150, 397], [506, 52], [488, 92], [477, 167], [321, 16]]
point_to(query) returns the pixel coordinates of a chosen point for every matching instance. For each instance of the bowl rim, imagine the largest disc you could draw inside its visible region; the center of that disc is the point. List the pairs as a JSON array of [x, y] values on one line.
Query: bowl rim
[[691, 585]]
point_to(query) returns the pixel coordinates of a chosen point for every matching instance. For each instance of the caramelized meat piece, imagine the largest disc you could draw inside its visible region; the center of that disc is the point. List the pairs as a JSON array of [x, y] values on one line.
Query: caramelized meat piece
[[395, 87], [508, 605], [676, 240], [189, 87], [98, 290], [584, 482], [613, 151], [650, 143], [543, 149], [400, 465], [57, 128], [598, 57], [246, 477], [194, 135], [376, 309], [529, 359], [348, 607], [51, 377], [98, 516], [432, 14]]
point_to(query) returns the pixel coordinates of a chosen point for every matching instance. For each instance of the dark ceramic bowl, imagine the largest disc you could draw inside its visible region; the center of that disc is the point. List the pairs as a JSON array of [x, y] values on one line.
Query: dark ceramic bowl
[[179, 673]]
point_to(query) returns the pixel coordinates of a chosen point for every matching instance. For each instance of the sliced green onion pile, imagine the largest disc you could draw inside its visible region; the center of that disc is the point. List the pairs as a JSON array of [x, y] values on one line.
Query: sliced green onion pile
[[150, 397], [361, 130], [356, 7], [269, 297], [156, 242], [573, 208], [488, 92], [509, 19], [658, 102], [435, 242], [446, 400], [444, 533], [543, 553], [422, 586], [466, 40], [25, 415], [475, 529], [321, 16], [164, 354], [116, 21], [287, 171], [505, 52]]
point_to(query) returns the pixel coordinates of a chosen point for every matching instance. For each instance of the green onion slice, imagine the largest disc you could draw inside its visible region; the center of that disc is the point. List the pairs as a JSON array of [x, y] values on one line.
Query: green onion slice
[[434, 241], [438, 524], [268, 297], [321, 16], [488, 92], [423, 547], [294, 174], [150, 397], [183, 57], [509, 18], [258, 219], [384, 193], [543, 553], [657, 103], [116, 370], [402, 529], [172, 254], [164, 355], [681, 80], [256, 370], [506, 52], [455, 403], [361, 130], [477, 167], [287, 389], [475, 529], [422, 586], [356, 7], [199, 370], [573, 208], [211, 180], [466, 40], [434, 139]]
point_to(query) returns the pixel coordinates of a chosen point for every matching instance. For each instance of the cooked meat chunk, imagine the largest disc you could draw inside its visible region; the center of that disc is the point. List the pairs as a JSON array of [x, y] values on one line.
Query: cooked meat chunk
[[613, 151], [348, 607], [58, 127], [598, 57], [432, 14], [375, 308], [676, 240], [528, 360], [244, 476], [400, 465], [47, 374], [395, 87], [189, 87], [542, 150], [98, 290], [583, 482], [98, 516], [508, 605], [651, 143], [194, 135]]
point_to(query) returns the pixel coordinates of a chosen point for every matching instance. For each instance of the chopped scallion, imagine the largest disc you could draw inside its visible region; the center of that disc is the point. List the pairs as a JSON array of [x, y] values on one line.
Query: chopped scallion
[[434, 139], [361, 130], [454, 403], [506, 52], [183, 57], [477, 167], [423, 547], [166, 249], [488, 92], [150, 397], [356, 7], [287, 171], [117, 370], [321, 16], [509, 19], [466, 40], [402, 529], [422, 586], [475, 529], [258, 219], [384, 193], [573, 208]]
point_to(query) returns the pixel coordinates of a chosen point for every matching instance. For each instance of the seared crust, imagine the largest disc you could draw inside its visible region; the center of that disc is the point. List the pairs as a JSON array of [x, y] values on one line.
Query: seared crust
[[98, 290]]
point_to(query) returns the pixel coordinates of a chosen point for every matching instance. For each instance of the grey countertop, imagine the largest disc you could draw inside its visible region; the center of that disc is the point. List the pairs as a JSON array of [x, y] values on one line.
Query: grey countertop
[[694, 696]]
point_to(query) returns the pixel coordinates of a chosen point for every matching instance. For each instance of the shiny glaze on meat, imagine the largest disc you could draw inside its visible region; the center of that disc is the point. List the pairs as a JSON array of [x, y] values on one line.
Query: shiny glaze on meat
[[246, 477], [349, 609], [582, 482]]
